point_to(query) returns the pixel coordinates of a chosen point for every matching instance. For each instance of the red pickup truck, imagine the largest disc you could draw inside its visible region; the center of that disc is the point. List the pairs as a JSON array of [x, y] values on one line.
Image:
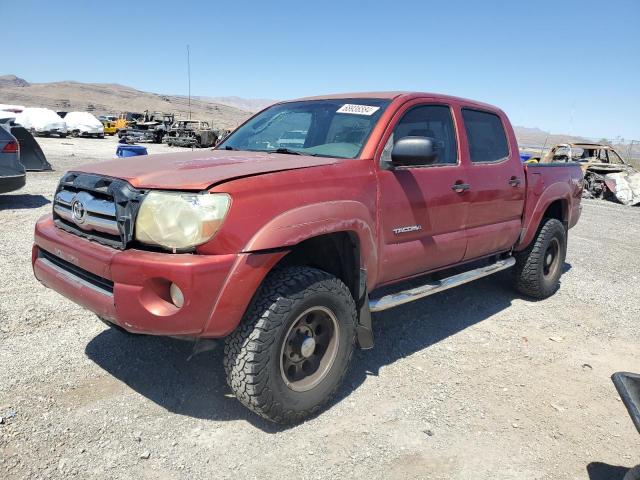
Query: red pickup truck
[[281, 248]]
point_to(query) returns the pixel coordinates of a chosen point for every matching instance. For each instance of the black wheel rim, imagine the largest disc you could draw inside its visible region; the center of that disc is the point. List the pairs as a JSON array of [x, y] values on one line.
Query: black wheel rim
[[309, 349], [551, 258]]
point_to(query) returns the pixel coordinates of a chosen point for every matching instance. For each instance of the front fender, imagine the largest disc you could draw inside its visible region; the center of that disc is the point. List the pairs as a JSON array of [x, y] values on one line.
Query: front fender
[[247, 274], [302, 223]]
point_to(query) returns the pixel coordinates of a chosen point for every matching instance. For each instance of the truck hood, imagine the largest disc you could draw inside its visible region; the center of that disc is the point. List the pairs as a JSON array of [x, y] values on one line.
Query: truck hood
[[197, 170]]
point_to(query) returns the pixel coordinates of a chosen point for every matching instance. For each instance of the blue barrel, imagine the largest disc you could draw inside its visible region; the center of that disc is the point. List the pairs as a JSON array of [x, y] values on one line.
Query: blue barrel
[[525, 156], [130, 150]]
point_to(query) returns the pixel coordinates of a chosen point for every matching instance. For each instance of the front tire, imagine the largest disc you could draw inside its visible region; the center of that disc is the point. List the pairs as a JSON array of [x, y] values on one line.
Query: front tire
[[538, 267], [290, 353]]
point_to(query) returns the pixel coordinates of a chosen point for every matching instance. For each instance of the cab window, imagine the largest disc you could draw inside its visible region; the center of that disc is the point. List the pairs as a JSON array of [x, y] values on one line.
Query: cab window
[[486, 136], [431, 121]]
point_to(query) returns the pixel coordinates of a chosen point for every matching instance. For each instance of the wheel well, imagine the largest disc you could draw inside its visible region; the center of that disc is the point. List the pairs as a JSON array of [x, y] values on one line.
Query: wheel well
[[556, 210], [336, 253]]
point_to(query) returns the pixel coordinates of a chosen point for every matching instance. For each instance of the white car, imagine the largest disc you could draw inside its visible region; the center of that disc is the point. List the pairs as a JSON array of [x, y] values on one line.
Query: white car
[[84, 124], [42, 121]]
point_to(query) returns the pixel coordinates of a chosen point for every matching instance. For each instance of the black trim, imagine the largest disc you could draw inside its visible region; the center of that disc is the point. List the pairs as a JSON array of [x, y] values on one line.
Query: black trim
[[99, 237], [127, 202], [99, 282]]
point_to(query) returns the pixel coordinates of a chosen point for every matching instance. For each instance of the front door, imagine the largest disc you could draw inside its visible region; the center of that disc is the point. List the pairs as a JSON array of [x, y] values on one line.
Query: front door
[[423, 212]]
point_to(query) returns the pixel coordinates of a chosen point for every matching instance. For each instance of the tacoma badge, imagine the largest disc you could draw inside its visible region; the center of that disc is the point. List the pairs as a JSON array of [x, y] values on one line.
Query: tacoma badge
[[410, 228]]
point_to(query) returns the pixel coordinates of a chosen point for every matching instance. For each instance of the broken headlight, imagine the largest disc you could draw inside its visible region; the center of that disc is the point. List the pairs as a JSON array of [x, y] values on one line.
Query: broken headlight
[[179, 221]]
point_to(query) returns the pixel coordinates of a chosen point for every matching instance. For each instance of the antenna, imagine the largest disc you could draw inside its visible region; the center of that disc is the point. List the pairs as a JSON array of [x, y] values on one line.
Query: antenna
[[189, 79]]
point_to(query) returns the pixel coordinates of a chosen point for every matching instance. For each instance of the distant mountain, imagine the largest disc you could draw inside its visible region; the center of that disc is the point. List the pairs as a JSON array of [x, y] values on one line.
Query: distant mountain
[[109, 98], [13, 81], [247, 104], [534, 137]]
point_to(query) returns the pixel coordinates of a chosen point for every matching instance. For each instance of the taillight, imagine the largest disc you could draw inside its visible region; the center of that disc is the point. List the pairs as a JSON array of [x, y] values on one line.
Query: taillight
[[11, 147]]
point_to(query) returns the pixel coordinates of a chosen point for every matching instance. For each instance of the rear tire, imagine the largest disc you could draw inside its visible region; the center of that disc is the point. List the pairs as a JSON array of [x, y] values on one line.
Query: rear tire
[[539, 266], [290, 353]]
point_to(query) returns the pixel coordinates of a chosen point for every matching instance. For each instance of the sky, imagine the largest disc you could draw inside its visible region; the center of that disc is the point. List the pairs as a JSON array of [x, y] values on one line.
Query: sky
[[564, 66]]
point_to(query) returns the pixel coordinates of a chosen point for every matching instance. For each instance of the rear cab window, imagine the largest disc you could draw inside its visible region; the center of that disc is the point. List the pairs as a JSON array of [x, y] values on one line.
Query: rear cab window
[[485, 135]]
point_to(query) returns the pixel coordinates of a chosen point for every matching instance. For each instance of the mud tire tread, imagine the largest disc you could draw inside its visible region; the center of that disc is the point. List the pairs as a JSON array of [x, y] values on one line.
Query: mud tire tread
[[249, 348]]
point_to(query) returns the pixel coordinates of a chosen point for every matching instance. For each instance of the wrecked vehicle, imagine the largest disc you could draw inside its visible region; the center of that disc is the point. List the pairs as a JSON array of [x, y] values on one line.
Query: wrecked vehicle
[[606, 175], [126, 119], [83, 124], [283, 251], [191, 133], [12, 173], [42, 121], [151, 127]]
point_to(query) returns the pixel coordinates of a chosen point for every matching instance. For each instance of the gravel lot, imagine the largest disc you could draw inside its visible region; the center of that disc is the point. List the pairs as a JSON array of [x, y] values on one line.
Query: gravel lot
[[472, 383]]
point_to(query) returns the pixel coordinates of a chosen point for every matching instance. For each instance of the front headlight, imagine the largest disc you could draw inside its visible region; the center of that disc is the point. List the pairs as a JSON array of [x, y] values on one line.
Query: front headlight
[[180, 220]]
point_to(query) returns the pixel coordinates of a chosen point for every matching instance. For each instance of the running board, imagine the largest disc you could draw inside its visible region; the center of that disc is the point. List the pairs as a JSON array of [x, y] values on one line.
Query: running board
[[406, 296]]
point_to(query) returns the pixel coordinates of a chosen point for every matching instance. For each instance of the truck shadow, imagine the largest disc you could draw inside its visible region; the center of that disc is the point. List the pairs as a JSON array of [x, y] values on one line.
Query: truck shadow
[[159, 369], [22, 201], [604, 471]]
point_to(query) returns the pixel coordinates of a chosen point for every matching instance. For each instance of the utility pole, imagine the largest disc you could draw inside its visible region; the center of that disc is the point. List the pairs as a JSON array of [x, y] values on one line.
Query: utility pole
[[189, 78]]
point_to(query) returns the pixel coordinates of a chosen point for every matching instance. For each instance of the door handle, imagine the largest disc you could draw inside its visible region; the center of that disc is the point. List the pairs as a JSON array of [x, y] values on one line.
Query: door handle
[[514, 181], [460, 187]]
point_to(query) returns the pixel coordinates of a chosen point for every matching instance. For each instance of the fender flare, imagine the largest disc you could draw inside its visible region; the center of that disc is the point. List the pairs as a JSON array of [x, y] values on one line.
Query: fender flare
[[272, 243], [294, 226], [557, 191]]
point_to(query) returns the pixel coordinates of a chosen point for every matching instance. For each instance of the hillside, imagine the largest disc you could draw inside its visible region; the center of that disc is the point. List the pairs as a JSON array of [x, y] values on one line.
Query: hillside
[[247, 104], [102, 98], [227, 112], [534, 137]]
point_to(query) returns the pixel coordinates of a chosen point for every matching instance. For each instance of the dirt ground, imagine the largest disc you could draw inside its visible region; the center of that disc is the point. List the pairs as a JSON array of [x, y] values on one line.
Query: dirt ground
[[472, 383]]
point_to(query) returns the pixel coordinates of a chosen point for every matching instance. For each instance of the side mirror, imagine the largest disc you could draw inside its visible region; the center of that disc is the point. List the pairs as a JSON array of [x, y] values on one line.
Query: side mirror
[[413, 151]]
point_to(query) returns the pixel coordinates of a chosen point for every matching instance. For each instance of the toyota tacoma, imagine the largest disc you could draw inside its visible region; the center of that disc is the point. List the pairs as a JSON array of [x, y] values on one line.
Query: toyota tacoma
[[282, 250]]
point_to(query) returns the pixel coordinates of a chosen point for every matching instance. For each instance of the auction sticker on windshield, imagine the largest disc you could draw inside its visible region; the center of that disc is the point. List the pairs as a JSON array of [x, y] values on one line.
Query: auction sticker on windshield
[[357, 109]]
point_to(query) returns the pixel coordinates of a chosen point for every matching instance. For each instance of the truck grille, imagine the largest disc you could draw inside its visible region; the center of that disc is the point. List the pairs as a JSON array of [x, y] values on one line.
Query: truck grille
[[100, 208]]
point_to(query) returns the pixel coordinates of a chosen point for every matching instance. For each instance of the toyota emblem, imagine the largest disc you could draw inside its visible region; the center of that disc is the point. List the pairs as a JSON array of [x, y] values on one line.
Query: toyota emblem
[[78, 211]]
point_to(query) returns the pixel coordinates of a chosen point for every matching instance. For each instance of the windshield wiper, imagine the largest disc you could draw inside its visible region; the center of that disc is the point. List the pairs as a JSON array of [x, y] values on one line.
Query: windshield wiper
[[229, 147], [289, 151]]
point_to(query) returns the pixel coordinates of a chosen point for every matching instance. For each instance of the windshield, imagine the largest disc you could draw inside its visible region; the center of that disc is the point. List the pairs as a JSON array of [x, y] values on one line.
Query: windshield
[[326, 128]]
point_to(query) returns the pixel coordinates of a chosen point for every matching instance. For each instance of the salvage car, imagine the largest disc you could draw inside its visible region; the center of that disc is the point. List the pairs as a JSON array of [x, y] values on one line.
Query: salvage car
[[12, 173], [283, 252], [151, 127], [190, 133], [42, 121], [83, 124], [606, 174], [126, 119]]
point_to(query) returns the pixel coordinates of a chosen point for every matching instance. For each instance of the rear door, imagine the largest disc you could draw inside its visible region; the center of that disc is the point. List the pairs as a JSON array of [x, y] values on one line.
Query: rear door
[[496, 184], [422, 214]]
